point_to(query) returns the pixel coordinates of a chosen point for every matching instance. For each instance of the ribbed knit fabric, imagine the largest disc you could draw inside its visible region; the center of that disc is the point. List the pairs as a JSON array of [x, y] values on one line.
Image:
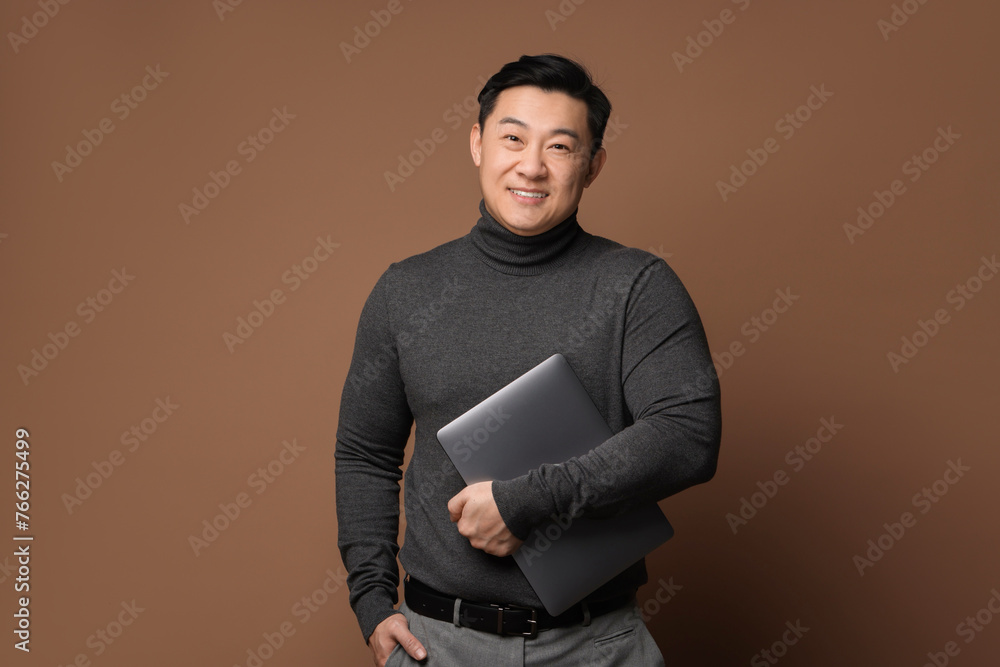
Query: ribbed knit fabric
[[444, 329], [519, 255]]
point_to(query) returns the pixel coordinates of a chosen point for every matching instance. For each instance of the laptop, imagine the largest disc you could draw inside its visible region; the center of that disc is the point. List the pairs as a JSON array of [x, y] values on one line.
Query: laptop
[[547, 416]]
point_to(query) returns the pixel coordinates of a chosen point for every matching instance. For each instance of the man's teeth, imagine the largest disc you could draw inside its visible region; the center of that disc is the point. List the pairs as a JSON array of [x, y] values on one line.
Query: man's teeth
[[536, 195]]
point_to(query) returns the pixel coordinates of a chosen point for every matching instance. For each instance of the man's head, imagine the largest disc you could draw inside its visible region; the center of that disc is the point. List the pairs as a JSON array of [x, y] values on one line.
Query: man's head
[[538, 142]]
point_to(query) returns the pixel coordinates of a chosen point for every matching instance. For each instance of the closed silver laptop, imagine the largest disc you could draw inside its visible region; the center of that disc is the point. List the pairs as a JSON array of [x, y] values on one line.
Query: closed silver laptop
[[547, 416]]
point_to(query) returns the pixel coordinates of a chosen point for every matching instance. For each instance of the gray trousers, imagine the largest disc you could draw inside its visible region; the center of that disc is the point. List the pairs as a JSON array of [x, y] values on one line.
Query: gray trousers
[[619, 637]]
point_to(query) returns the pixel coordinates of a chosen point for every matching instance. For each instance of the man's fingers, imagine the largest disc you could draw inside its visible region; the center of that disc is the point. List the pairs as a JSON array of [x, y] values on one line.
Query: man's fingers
[[391, 631], [411, 644], [456, 505], [477, 518]]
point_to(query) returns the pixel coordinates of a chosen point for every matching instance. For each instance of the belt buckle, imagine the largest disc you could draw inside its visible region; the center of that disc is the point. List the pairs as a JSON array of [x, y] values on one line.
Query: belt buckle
[[531, 634]]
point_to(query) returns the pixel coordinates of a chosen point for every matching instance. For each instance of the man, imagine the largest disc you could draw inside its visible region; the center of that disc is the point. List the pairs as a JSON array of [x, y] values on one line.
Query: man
[[446, 328]]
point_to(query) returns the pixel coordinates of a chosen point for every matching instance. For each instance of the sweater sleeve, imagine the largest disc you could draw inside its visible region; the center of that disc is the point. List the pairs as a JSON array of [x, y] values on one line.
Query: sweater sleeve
[[672, 392], [372, 431]]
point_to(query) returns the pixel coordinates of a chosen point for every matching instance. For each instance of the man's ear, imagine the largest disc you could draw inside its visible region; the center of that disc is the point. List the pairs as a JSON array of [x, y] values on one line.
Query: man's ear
[[595, 166], [476, 144]]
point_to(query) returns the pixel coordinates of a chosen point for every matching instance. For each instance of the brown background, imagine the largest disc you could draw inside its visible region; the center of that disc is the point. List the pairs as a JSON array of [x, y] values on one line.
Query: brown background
[[324, 176]]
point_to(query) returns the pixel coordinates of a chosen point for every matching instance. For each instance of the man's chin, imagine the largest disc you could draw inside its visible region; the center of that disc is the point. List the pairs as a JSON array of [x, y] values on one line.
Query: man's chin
[[526, 226], [524, 220]]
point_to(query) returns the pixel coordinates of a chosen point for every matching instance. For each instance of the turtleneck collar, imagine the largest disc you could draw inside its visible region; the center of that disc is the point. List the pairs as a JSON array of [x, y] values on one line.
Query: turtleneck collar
[[518, 255]]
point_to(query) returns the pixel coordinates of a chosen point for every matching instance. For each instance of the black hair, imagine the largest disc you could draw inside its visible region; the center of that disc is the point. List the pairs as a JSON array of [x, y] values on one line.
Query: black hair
[[551, 73]]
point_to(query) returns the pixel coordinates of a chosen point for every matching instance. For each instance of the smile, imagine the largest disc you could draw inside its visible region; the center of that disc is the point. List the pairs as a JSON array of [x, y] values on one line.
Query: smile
[[532, 195]]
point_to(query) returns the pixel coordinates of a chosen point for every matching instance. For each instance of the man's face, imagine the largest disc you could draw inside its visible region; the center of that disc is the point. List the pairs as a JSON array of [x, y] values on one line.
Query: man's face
[[534, 143]]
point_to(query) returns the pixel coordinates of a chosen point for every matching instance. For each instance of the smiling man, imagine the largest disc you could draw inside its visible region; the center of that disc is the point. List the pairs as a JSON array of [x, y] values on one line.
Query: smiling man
[[539, 157], [446, 328]]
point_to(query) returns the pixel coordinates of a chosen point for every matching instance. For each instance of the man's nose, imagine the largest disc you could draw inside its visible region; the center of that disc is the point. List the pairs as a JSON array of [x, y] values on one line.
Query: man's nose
[[531, 165]]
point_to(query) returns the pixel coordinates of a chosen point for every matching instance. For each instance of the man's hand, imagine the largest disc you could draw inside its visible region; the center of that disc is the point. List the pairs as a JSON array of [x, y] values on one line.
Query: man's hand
[[394, 630], [479, 520]]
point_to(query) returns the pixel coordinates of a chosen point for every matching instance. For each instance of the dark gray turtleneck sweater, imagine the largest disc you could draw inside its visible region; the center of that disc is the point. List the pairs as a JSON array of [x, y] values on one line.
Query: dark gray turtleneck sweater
[[443, 330]]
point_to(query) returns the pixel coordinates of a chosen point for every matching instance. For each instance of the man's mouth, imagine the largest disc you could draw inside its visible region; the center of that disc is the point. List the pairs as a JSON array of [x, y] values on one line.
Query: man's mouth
[[529, 193]]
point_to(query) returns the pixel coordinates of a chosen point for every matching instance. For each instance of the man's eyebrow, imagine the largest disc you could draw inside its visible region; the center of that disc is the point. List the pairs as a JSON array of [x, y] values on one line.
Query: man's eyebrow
[[511, 120]]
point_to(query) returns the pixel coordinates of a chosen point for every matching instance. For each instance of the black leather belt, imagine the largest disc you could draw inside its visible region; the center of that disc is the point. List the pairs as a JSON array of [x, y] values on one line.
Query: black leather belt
[[501, 619]]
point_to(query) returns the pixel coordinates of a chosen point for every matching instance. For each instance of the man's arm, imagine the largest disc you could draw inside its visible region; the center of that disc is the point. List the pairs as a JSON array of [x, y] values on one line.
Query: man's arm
[[372, 431], [670, 388]]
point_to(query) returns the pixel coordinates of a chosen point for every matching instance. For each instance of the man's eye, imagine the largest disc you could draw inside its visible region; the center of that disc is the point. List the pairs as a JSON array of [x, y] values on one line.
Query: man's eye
[[560, 146], [511, 136]]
